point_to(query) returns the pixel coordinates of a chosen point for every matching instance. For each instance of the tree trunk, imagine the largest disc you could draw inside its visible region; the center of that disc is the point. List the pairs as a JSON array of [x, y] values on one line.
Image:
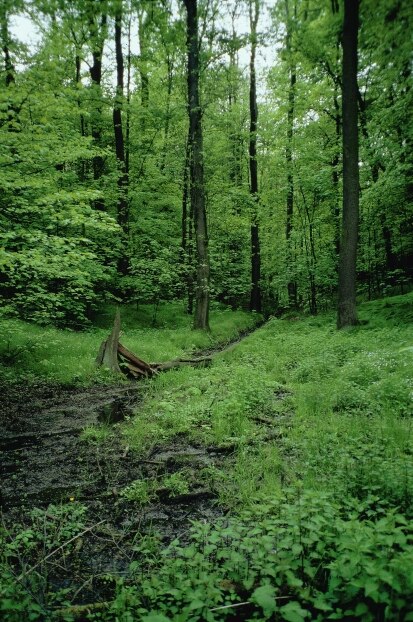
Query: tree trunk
[[347, 313], [255, 299], [122, 202], [97, 38], [12, 112], [291, 285], [335, 161], [197, 190], [108, 352]]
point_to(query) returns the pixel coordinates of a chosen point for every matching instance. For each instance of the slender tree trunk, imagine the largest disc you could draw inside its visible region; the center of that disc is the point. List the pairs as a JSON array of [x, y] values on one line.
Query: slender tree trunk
[[97, 38], [128, 93], [78, 85], [197, 190], [122, 203], [169, 66], [347, 312], [291, 285], [336, 177], [255, 299], [187, 234], [143, 60], [12, 112]]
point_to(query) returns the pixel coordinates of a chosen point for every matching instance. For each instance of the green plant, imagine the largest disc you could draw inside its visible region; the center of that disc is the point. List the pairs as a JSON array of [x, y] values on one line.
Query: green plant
[[139, 491], [302, 556], [176, 484], [95, 434]]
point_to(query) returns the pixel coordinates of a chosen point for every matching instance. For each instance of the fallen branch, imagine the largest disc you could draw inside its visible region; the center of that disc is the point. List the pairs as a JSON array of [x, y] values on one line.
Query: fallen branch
[[117, 358], [59, 548]]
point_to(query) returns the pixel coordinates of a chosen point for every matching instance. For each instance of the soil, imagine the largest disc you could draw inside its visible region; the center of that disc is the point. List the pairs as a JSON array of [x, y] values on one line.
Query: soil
[[43, 460]]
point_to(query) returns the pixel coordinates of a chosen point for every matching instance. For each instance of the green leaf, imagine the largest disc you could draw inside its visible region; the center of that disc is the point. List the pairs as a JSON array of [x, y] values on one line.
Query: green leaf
[[155, 617], [293, 612], [264, 596]]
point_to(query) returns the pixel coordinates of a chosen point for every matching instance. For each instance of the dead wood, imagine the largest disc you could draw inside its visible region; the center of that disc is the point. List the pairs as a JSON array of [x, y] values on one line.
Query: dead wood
[[116, 357], [108, 351], [135, 361], [205, 360]]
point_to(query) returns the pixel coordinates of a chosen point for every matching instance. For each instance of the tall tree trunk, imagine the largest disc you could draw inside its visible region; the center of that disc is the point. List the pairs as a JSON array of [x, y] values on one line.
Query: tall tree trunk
[[169, 66], [143, 60], [128, 94], [12, 112], [335, 161], [97, 38], [347, 312], [255, 299], [235, 137], [187, 234], [197, 190], [291, 285], [122, 202]]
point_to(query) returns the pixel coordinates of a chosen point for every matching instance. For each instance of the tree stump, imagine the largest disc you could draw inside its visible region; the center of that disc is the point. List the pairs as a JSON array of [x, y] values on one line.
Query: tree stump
[[108, 351], [114, 356]]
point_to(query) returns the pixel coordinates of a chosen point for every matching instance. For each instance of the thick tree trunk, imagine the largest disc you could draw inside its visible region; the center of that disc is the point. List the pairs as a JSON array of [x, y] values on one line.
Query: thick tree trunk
[[255, 299], [197, 191], [347, 313]]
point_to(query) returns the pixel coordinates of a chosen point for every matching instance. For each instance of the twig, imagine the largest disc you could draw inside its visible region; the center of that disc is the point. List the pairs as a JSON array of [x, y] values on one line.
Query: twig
[[243, 604], [24, 574], [231, 606]]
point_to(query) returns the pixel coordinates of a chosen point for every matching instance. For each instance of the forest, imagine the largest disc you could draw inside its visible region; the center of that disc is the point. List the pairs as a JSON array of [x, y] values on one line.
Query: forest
[[206, 320]]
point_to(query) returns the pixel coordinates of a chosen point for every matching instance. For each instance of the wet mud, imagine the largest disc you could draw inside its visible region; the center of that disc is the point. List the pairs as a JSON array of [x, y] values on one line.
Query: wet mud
[[43, 461]]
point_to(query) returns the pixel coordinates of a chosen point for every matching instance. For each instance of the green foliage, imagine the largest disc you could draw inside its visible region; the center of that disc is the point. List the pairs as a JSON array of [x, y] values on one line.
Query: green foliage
[[29, 351], [25, 577], [314, 478], [301, 556]]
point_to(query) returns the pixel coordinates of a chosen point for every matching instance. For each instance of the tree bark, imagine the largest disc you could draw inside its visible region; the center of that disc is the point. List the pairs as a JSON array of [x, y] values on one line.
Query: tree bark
[[347, 312], [291, 285], [197, 190], [122, 202], [12, 112], [255, 299], [108, 352], [97, 39]]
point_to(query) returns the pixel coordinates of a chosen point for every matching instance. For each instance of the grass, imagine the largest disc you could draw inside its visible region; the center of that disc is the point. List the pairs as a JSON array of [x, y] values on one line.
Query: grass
[[313, 429], [67, 357], [338, 403]]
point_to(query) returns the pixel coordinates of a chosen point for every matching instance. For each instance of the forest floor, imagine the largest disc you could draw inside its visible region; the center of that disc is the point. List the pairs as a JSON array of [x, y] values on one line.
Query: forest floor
[[60, 443], [99, 480]]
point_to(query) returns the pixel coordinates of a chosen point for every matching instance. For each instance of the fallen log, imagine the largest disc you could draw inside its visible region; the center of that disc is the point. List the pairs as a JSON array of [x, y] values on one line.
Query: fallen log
[[113, 355]]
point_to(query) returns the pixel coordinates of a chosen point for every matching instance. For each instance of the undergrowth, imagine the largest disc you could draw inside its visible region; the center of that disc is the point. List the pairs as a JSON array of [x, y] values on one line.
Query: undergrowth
[[29, 351], [314, 430]]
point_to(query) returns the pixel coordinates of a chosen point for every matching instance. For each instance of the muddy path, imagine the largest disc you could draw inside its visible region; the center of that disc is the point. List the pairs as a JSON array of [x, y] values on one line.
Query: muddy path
[[42, 457], [44, 460], [45, 464]]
